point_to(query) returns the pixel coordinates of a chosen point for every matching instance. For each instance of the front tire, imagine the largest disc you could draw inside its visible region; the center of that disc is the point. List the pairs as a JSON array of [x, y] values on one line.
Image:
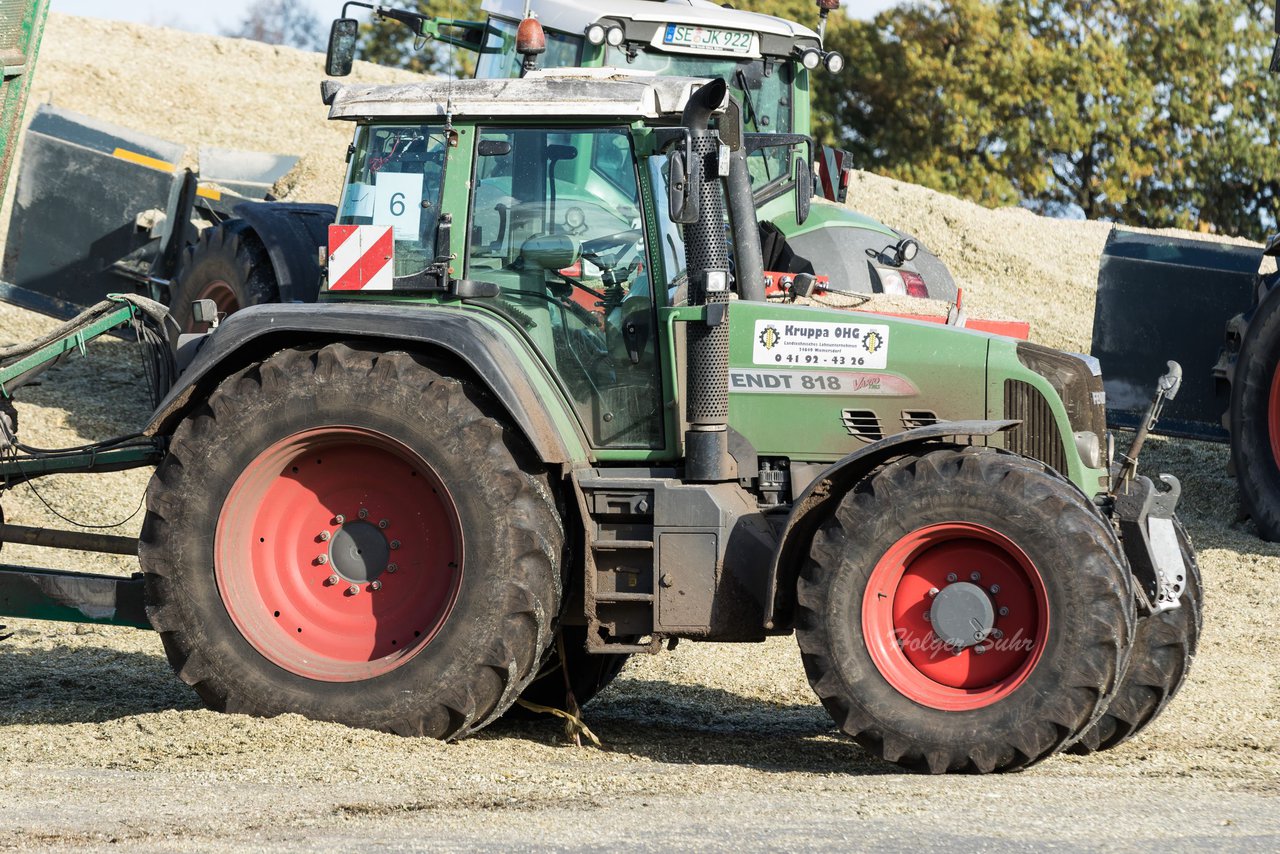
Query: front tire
[[348, 535], [1255, 418], [1164, 646], [1029, 559]]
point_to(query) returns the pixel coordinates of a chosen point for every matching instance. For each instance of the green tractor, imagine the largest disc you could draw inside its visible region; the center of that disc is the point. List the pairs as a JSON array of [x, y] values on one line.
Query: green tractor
[[465, 478]]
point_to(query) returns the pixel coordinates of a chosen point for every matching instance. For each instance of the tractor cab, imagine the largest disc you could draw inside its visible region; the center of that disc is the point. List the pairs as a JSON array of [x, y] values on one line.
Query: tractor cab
[[548, 197]]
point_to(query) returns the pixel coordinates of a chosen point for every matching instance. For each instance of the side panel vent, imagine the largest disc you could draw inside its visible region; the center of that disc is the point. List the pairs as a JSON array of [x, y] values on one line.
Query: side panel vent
[[862, 423], [912, 418], [1037, 436]]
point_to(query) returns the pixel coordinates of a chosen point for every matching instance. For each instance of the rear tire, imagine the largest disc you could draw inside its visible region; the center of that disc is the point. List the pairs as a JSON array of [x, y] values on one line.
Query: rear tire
[[1255, 418], [588, 675], [227, 264], [243, 538], [873, 657], [1164, 646]]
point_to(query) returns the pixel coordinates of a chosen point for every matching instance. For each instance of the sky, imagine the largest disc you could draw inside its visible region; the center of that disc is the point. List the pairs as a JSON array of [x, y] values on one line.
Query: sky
[[225, 14]]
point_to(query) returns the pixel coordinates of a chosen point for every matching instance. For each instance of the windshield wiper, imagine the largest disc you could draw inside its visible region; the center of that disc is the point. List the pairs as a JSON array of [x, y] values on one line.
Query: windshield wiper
[[752, 116]]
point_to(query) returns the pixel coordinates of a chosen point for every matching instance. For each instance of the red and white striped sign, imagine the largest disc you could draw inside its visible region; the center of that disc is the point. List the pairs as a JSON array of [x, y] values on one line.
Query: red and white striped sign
[[360, 257]]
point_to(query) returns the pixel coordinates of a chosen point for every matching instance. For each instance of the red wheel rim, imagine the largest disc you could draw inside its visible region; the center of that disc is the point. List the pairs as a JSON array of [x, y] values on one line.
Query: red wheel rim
[[901, 638], [1273, 416], [223, 297], [338, 554]]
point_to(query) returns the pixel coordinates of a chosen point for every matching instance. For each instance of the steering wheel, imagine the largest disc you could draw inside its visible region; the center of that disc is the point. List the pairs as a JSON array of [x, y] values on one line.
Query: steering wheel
[[594, 250]]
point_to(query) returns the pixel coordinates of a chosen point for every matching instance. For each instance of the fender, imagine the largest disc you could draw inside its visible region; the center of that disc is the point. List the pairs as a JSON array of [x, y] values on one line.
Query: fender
[[258, 331], [292, 234], [830, 486]]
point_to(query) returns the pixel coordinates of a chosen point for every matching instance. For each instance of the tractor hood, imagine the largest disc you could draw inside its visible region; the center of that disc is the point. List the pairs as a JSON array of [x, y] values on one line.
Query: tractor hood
[[557, 92]]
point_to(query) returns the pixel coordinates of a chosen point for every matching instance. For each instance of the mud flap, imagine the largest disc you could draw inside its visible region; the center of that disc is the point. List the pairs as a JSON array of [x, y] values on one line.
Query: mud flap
[[1150, 540], [1162, 298]]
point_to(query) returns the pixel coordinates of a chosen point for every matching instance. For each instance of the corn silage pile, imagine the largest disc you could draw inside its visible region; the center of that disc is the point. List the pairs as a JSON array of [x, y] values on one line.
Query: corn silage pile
[[105, 698]]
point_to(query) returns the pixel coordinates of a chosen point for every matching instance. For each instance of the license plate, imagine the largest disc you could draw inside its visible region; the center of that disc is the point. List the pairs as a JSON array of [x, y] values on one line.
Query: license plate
[[707, 38]]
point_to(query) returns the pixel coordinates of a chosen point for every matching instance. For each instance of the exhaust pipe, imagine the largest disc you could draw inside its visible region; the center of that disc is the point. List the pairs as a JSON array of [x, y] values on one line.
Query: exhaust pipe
[[746, 230], [707, 260]]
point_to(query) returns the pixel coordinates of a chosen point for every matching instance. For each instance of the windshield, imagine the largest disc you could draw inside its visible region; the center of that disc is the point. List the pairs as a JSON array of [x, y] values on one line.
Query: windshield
[[762, 85], [396, 177]]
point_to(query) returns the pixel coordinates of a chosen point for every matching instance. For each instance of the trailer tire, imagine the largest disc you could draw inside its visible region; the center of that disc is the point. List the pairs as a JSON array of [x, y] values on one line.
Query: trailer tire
[[444, 540], [588, 674], [227, 264], [1164, 646], [1255, 418], [1042, 554]]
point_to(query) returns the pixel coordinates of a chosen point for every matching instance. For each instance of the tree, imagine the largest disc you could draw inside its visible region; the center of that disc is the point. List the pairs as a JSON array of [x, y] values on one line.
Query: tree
[[1150, 112], [284, 22]]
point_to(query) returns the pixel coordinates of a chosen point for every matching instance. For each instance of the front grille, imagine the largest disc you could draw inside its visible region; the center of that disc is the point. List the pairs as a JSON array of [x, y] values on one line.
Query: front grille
[[1037, 436]]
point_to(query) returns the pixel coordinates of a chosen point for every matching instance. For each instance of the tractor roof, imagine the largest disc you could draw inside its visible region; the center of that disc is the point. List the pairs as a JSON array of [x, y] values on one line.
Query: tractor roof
[[559, 92], [573, 16]]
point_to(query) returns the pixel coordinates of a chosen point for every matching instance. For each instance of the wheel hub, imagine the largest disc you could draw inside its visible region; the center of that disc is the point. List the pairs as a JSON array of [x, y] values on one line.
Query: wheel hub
[[962, 615], [359, 552]]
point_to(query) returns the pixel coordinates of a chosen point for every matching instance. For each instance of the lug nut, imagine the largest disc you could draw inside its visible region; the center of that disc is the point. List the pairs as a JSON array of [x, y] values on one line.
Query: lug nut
[[395, 544], [363, 514], [353, 589], [1004, 612], [382, 523], [979, 650], [322, 559], [933, 591], [375, 585], [926, 615], [997, 634], [391, 567], [331, 580], [975, 576], [955, 650], [952, 578], [324, 536], [995, 588], [339, 519]]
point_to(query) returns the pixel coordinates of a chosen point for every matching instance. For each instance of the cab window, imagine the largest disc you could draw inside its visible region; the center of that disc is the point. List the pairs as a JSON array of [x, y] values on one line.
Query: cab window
[[567, 248]]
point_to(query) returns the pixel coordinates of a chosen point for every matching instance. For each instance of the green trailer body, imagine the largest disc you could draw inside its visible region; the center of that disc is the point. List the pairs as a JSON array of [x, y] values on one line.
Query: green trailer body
[[21, 27]]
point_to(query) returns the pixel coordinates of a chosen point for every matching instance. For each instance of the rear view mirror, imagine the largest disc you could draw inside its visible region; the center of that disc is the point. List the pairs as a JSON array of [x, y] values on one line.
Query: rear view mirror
[[342, 47], [804, 189], [682, 204]]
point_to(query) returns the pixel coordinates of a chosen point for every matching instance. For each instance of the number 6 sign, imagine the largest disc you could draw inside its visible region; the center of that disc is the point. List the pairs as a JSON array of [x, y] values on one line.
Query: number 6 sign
[[397, 203]]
